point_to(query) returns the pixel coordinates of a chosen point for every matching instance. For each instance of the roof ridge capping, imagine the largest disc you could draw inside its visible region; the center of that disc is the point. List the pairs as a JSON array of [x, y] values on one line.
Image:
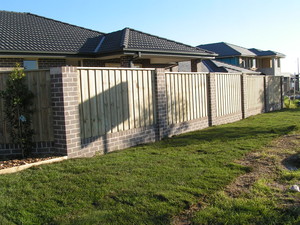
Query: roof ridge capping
[[69, 24], [125, 37], [151, 35], [260, 52]]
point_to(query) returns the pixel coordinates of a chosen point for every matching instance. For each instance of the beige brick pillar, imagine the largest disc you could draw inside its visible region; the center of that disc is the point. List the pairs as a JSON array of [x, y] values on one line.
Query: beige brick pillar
[[244, 95], [64, 94], [282, 91], [161, 103], [211, 85], [266, 93]]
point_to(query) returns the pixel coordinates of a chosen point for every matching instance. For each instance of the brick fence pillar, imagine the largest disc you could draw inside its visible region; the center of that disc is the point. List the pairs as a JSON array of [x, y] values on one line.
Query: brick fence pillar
[[161, 103], [64, 94], [266, 93], [211, 85], [244, 95], [282, 92]]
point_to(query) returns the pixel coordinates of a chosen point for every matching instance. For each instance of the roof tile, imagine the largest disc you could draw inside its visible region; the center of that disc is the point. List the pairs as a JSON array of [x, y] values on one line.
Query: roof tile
[[32, 33]]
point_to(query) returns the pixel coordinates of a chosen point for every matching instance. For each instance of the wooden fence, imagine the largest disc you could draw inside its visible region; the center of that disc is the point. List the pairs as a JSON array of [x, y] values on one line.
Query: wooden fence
[[186, 96], [273, 93], [255, 93], [228, 94], [115, 99], [39, 83]]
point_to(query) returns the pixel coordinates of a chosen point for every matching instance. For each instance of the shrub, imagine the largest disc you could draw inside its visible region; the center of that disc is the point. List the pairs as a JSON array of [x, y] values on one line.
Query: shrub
[[17, 103], [290, 104]]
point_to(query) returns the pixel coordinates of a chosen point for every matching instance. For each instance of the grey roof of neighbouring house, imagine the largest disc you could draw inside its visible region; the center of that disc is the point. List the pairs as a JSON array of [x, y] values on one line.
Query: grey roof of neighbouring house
[[259, 52], [29, 33], [224, 49], [217, 66]]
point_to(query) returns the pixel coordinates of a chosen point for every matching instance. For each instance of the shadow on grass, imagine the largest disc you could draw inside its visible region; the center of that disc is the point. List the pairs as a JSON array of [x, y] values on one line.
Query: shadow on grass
[[225, 133]]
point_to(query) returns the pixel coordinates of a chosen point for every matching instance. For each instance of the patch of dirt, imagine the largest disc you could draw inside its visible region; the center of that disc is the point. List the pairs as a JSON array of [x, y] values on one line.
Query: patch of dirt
[[19, 162], [266, 163]]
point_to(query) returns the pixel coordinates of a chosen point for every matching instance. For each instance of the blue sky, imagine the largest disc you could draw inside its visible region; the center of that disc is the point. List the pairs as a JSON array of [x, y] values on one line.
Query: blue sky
[[268, 25]]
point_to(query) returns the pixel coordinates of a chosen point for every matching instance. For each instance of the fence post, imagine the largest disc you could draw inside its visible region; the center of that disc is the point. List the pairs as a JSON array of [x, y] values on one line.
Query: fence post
[[244, 95], [161, 103], [211, 95], [64, 94]]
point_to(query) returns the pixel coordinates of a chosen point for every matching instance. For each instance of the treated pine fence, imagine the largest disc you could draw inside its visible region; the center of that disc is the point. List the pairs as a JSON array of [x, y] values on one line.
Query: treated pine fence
[[114, 100], [186, 96], [273, 90], [228, 94], [39, 83]]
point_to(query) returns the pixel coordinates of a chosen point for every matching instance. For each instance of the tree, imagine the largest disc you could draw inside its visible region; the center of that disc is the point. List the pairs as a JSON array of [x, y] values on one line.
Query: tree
[[17, 108]]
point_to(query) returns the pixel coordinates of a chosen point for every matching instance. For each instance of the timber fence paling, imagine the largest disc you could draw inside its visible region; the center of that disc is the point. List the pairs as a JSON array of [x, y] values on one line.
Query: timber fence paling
[[228, 94], [38, 82], [3, 128], [114, 100], [186, 96], [273, 92], [255, 92]]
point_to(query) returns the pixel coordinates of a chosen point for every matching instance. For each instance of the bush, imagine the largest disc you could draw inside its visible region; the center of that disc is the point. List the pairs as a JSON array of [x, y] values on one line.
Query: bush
[[290, 104], [17, 103]]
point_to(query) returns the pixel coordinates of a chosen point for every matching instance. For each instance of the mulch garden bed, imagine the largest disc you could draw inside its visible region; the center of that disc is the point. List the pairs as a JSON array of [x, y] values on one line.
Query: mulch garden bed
[[4, 164]]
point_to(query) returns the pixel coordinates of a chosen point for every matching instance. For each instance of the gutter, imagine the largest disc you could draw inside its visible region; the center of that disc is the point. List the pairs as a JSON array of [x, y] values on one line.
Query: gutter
[[171, 52]]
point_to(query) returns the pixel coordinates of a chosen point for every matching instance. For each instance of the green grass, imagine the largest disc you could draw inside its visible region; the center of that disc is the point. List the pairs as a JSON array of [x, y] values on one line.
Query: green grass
[[148, 184], [260, 206], [249, 209]]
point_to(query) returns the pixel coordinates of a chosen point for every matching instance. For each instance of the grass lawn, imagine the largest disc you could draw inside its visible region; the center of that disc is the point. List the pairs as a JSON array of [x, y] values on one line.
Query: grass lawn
[[153, 183]]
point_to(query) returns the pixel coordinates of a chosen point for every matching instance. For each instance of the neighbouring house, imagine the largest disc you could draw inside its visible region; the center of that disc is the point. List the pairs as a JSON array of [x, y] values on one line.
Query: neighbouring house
[[215, 66], [267, 62], [37, 42]]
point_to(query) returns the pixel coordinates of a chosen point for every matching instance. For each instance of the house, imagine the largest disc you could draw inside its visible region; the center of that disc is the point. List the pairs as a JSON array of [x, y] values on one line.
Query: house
[[37, 42], [215, 66], [267, 62]]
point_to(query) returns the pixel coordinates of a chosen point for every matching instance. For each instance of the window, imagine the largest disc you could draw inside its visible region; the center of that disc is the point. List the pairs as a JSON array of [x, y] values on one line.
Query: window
[[278, 63], [30, 64]]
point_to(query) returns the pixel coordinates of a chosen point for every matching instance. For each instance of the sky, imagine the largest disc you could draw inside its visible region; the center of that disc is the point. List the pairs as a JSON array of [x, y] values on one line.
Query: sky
[[263, 24]]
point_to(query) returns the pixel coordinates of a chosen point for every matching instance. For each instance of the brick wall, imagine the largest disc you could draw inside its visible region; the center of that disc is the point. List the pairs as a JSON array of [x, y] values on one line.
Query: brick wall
[[10, 62], [115, 141], [48, 63], [13, 150], [93, 63]]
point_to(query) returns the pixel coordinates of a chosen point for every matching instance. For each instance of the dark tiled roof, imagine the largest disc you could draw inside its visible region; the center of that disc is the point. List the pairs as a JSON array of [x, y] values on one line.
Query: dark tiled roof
[[26, 32], [29, 33], [217, 66], [225, 49], [259, 52], [133, 40]]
